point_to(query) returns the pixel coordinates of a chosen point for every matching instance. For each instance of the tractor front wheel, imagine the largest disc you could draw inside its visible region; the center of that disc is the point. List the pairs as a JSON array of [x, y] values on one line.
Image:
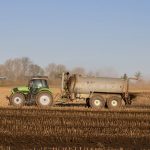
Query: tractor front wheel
[[17, 100], [44, 99]]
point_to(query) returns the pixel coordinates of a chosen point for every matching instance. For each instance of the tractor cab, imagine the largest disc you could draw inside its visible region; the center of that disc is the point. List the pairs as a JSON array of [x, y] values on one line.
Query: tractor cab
[[38, 82]]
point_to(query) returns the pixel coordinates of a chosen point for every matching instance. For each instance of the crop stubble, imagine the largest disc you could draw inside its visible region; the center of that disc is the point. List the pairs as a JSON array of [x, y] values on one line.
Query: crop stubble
[[74, 127], [78, 127]]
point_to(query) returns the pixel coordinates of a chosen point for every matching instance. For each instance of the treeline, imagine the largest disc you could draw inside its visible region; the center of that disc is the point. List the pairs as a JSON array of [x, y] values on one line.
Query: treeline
[[19, 70]]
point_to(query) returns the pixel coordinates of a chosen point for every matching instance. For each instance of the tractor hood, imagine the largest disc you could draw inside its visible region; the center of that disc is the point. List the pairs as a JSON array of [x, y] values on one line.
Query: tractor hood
[[22, 89]]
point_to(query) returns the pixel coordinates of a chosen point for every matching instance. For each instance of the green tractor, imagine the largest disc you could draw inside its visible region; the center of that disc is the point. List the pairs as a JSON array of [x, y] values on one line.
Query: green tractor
[[36, 93]]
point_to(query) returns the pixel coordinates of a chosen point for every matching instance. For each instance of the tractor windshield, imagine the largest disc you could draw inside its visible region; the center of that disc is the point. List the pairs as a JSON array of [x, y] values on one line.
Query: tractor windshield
[[38, 83]]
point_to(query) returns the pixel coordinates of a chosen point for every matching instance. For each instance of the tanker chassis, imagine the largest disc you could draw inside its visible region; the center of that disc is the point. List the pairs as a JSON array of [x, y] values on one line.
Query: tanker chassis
[[99, 92]]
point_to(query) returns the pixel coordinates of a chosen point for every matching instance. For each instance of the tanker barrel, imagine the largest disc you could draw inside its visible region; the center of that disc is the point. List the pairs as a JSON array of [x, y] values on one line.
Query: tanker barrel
[[85, 85]]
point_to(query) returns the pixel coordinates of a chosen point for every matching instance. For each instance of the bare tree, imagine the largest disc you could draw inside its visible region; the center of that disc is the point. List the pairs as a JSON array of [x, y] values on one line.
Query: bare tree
[[35, 70], [26, 63], [50, 71], [2, 70], [60, 69], [54, 71], [138, 75], [10, 69], [78, 70], [18, 68], [90, 74]]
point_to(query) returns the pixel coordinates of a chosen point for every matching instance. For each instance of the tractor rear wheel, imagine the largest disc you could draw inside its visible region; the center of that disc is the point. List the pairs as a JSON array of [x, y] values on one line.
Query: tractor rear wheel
[[44, 99], [17, 100]]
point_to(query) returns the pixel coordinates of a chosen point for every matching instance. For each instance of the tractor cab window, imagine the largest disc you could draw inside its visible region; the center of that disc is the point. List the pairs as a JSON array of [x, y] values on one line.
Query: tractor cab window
[[37, 83]]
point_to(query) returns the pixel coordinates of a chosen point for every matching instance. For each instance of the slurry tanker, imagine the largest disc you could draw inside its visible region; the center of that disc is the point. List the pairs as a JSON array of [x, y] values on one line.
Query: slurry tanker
[[98, 92]]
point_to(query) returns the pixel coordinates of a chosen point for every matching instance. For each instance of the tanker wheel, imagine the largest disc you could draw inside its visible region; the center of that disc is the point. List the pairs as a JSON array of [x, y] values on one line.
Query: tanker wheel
[[44, 99], [114, 102], [97, 102], [17, 100]]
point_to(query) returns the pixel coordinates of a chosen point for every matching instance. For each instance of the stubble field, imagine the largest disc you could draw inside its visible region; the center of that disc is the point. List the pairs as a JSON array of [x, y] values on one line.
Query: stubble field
[[74, 127]]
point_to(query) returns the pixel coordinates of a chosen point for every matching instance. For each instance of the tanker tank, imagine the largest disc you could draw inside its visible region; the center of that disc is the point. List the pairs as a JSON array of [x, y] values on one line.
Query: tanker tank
[[86, 85]]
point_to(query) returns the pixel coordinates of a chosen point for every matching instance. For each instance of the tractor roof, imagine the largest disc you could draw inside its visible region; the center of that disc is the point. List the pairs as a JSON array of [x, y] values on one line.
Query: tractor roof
[[39, 77]]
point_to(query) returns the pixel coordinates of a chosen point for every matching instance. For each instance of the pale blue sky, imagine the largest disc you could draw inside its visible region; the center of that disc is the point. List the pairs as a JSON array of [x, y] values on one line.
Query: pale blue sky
[[93, 34]]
